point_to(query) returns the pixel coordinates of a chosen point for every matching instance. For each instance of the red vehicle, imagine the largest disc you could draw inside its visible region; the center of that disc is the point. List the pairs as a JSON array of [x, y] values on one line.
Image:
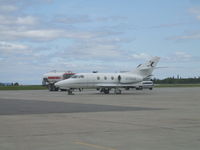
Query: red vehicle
[[50, 78]]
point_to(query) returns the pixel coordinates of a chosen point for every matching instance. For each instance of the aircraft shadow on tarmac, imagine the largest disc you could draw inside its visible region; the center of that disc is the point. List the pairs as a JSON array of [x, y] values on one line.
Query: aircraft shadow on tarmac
[[17, 107]]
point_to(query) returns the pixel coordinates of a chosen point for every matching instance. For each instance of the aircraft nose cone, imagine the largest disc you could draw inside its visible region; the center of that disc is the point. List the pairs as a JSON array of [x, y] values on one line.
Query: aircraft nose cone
[[63, 83], [58, 84]]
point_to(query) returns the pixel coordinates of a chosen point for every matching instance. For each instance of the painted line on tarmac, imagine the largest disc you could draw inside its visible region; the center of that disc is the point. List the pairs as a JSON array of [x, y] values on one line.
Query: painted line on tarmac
[[94, 146]]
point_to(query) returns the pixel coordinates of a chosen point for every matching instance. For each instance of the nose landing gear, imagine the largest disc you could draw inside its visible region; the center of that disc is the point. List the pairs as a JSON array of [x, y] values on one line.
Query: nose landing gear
[[105, 90]]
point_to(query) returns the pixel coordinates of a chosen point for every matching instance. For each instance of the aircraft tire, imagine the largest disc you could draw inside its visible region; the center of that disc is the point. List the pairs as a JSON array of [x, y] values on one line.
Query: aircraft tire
[[70, 92], [117, 91], [63, 90], [50, 87], [106, 91], [56, 89]]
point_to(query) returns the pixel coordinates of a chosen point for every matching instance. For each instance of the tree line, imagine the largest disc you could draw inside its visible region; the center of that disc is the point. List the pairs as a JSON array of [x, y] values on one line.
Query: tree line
[[9, 84], [178, 80]]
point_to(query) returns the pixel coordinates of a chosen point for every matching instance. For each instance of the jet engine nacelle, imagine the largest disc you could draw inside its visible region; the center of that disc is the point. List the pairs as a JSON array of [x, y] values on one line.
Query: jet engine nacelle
[[129, 79]]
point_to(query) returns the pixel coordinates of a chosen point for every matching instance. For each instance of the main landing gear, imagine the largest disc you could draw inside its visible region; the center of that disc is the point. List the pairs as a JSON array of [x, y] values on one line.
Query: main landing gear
[[107, 91], [70, 92], [103, 90], [117, 91]]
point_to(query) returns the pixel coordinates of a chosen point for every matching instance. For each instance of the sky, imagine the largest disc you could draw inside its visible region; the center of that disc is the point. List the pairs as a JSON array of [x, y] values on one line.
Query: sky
[[37, 36]]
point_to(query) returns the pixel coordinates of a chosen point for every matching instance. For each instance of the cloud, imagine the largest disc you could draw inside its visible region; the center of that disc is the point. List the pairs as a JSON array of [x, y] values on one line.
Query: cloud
[[192, 35], [11, 20], [94, 49], [187, 36], [171, 25], [111, 18], [7, 47], [31, 28], [8, 8], [141, 56], [77, 19], [195, 11], [180, 57], [71, 19], [46, 34], [27, 20], [38, 43]]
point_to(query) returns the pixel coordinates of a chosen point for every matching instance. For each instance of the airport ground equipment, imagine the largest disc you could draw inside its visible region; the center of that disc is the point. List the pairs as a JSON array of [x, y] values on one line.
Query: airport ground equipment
[[145, 85], [50, 78]]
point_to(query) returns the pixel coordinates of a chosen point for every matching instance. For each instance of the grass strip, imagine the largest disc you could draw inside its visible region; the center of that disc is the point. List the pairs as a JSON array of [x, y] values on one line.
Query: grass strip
[[176, 85], [23, 87]]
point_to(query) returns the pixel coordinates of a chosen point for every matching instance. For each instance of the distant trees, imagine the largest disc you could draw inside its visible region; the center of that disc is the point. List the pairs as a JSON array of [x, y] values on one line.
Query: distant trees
[[178, 80], [16, 84], [169, 80], [9, 84]]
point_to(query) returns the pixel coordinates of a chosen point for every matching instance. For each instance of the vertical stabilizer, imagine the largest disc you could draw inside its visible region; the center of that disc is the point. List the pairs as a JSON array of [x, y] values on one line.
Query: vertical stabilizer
[[147, 68]]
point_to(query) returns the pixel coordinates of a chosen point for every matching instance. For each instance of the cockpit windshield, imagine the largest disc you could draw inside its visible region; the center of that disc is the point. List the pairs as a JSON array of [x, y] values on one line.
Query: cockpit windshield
[[139, 65], [77, 76]]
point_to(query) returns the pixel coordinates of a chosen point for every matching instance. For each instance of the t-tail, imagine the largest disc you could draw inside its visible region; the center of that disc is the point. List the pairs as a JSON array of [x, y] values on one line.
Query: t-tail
[[145, 70]]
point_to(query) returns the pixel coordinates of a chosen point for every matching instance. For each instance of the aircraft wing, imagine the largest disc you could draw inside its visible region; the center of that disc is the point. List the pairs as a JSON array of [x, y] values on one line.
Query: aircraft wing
[[107, 85], [103, 85]]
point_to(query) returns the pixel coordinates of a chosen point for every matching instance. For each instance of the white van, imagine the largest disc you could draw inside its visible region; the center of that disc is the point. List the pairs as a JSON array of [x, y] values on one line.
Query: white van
[[145, 85]]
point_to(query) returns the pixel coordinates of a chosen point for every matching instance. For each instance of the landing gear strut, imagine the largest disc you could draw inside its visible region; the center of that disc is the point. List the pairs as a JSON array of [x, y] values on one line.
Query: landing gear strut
[[117, 91], [70, 92], [105, 90], [52, 87]]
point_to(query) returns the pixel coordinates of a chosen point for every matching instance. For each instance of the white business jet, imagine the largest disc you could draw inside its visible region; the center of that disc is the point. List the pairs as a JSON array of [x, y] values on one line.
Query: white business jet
[[107, 81]]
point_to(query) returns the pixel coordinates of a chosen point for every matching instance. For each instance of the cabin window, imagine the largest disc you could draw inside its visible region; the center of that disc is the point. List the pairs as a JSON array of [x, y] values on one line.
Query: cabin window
[[77, 76], [66, 76], [105, 78], [112, 78], [139, 65], [81, 76], [98, 78], [74, 76]]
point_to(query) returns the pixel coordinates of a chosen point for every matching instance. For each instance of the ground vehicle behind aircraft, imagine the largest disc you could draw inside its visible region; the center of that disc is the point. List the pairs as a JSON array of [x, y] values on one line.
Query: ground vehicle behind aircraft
[[144, 85], [50, 78]]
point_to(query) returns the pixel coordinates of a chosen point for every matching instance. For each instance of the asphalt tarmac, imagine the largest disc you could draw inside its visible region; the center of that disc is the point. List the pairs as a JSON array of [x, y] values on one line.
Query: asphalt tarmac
[[165, 118]]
